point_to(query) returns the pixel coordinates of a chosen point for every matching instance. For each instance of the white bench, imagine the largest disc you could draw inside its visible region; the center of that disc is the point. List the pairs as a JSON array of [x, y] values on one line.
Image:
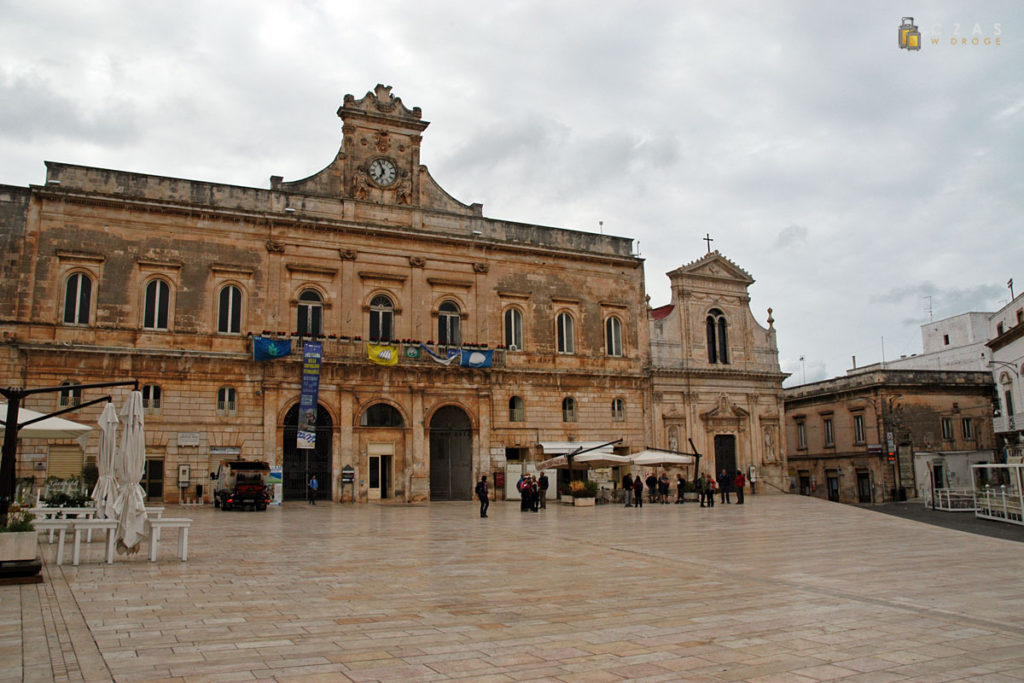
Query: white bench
[[182, 524], [87, 526], [61, 526]]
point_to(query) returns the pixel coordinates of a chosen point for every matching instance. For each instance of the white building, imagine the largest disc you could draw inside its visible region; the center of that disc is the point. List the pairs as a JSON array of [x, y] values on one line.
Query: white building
[[1005, 356]]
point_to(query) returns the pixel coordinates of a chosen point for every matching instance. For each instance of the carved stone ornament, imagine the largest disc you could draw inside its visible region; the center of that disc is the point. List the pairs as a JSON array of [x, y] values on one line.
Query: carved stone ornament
[[347, 254], [385, 101], [382, 141], [275, 247], [417, 261], [403, 193], [481, 267], [361, 184]]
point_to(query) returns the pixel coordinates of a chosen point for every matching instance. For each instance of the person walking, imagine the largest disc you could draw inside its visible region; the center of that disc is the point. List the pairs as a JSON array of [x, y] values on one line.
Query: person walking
[[724, 484], [523, 486], [534, 493], [638, 492], [313, 487], [627, 488], [543, 482], [663, 484], [482, 494], [680, 489], [739, 482]]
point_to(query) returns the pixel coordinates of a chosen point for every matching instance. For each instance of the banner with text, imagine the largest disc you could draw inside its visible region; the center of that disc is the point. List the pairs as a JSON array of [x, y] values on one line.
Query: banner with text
[[312, 353]]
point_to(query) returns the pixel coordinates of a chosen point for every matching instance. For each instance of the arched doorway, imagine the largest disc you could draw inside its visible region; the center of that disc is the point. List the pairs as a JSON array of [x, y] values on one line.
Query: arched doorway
[[300, 464], [451, 455]]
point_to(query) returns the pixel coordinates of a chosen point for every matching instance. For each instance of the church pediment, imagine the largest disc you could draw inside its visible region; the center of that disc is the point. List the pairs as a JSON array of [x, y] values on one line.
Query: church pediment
[[726, 415], [716, 266], [379, 102]]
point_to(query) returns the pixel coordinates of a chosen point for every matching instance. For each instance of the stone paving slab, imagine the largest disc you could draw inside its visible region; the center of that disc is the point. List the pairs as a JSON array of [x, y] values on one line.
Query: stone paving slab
[[784, 588]]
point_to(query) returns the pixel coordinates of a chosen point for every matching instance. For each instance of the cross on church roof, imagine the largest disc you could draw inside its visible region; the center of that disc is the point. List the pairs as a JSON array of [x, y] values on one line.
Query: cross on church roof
[[709, 239]]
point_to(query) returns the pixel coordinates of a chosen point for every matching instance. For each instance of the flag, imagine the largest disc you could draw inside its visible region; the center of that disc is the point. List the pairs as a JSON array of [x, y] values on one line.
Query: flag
[[382, 354], [411, 351], [477, 359], [452, 355], [269, 349]]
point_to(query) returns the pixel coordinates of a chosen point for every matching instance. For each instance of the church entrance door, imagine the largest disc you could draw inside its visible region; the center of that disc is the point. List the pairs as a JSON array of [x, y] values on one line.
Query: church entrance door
[[299, 464], [725, 454], [451, 461]]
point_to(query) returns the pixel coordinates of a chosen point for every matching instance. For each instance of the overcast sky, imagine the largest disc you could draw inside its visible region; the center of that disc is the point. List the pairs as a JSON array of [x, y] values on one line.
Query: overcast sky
[[860, 185]]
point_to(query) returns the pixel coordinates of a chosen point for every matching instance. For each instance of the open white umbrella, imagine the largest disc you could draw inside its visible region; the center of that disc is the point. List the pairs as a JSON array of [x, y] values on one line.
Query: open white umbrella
[[50, 428], [653, 458], [584, 461], [106, 486], [129, 464]]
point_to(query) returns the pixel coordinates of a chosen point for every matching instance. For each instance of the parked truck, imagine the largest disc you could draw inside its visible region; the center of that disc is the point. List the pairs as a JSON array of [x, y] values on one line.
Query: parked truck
[[241, 483]]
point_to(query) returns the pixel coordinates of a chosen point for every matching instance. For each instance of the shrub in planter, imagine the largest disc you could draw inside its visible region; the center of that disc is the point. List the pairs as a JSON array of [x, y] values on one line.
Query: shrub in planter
[[583, 489]]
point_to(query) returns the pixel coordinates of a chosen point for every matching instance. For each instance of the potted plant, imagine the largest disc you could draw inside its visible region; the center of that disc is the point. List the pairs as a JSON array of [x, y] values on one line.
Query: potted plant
[[17, 536], [583, 493]]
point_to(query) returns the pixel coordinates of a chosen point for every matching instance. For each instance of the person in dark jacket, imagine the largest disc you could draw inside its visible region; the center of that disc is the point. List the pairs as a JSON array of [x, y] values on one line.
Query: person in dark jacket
[[739, 482], [543, 483], [725, 485], [638, 492], [627, 489], [652, 488], [680, 489], [482, 494]]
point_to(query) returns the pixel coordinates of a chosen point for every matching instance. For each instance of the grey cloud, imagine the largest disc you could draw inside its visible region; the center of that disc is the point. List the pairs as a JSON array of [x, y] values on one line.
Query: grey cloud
[[791, 236]]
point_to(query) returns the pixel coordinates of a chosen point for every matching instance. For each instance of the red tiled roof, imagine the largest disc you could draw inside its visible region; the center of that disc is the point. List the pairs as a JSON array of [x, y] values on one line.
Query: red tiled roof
[[662, 311]]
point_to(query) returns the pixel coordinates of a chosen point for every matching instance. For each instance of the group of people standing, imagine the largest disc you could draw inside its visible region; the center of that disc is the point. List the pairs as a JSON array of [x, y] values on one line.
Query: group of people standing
[[724, 485], [533, 492], [657, 489]]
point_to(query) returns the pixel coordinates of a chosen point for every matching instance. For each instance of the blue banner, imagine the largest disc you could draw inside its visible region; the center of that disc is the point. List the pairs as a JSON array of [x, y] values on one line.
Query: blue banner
[[477, 359], [269, 349], [312, 353]]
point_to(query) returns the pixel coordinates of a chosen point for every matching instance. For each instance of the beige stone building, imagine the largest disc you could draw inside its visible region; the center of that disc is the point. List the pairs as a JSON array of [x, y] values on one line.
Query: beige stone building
[[114, 275], [715, 374]]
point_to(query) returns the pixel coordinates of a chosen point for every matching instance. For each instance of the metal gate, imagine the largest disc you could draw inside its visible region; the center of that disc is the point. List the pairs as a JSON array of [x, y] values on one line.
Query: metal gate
[[300, 464], [451, 458]]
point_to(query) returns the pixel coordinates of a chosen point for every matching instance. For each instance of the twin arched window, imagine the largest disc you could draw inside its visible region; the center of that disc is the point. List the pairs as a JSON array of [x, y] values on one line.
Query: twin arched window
[[513, 329], [77, 299], [229, 310], [448, 324], [382, 318], [157, 305], [718, 339], [310, 318], [566, 337], [613, 336]]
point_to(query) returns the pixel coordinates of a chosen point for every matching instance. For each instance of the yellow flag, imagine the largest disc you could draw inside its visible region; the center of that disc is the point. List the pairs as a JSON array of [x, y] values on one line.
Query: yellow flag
[[384, 354]]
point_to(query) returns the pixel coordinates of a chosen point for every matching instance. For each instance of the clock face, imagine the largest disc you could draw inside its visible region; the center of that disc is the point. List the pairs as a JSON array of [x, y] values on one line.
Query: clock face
[[383, 171]]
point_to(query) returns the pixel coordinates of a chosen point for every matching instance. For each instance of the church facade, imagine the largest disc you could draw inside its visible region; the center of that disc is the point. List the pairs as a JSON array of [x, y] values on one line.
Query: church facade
[[447, 344]]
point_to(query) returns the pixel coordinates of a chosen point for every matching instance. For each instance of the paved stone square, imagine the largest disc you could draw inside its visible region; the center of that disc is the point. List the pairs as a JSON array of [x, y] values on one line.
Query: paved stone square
[[784, 588]]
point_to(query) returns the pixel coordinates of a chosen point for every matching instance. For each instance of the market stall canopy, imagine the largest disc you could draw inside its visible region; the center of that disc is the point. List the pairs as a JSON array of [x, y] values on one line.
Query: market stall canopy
[[552, 448], [652, 457], [48, 428]]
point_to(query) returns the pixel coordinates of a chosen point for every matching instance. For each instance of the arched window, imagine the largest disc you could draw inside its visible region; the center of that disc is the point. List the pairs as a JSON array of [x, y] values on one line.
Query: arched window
[[448, 331], [513, 329], [516, 409], [613, 336], [381, 415], [310, 319], [72, 396], [566, 341], [382, 316], [229, 310], [618, 409], [158, 295], [568, 409], [151, 395], [77, 299], [718, 338], [227, 401]]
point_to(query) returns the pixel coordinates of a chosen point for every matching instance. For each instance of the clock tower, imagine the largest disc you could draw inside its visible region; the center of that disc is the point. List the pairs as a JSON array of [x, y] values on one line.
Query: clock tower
[[381, 148]]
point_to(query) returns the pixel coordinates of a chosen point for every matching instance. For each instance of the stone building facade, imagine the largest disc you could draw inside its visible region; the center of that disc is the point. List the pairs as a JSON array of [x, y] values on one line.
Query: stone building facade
[[715, 374], [881, 435], [111, 275]]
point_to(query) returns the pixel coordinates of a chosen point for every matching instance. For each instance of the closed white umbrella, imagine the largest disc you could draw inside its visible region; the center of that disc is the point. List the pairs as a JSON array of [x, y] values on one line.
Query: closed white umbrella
[[129, 464], [105, 492]]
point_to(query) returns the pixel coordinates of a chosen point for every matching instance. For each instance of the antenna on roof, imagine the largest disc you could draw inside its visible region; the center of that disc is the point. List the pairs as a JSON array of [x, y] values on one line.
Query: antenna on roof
[[929, 309]]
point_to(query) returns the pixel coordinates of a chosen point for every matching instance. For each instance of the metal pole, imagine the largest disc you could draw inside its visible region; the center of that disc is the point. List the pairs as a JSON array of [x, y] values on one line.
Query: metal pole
[[10, 449]]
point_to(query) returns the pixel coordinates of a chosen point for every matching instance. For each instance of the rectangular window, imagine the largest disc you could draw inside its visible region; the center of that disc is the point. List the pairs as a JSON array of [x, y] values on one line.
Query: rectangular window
[[226, 401], [829, 436], [153, 479], [858, 428], [151, 398], [801, 435], [967, 426], [947, 429], [945, 339]]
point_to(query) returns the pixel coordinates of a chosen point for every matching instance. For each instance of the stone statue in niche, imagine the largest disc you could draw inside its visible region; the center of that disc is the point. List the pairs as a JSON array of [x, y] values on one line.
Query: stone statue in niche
[[361, 184], [403, 194], [769, 443], [673, 440]]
